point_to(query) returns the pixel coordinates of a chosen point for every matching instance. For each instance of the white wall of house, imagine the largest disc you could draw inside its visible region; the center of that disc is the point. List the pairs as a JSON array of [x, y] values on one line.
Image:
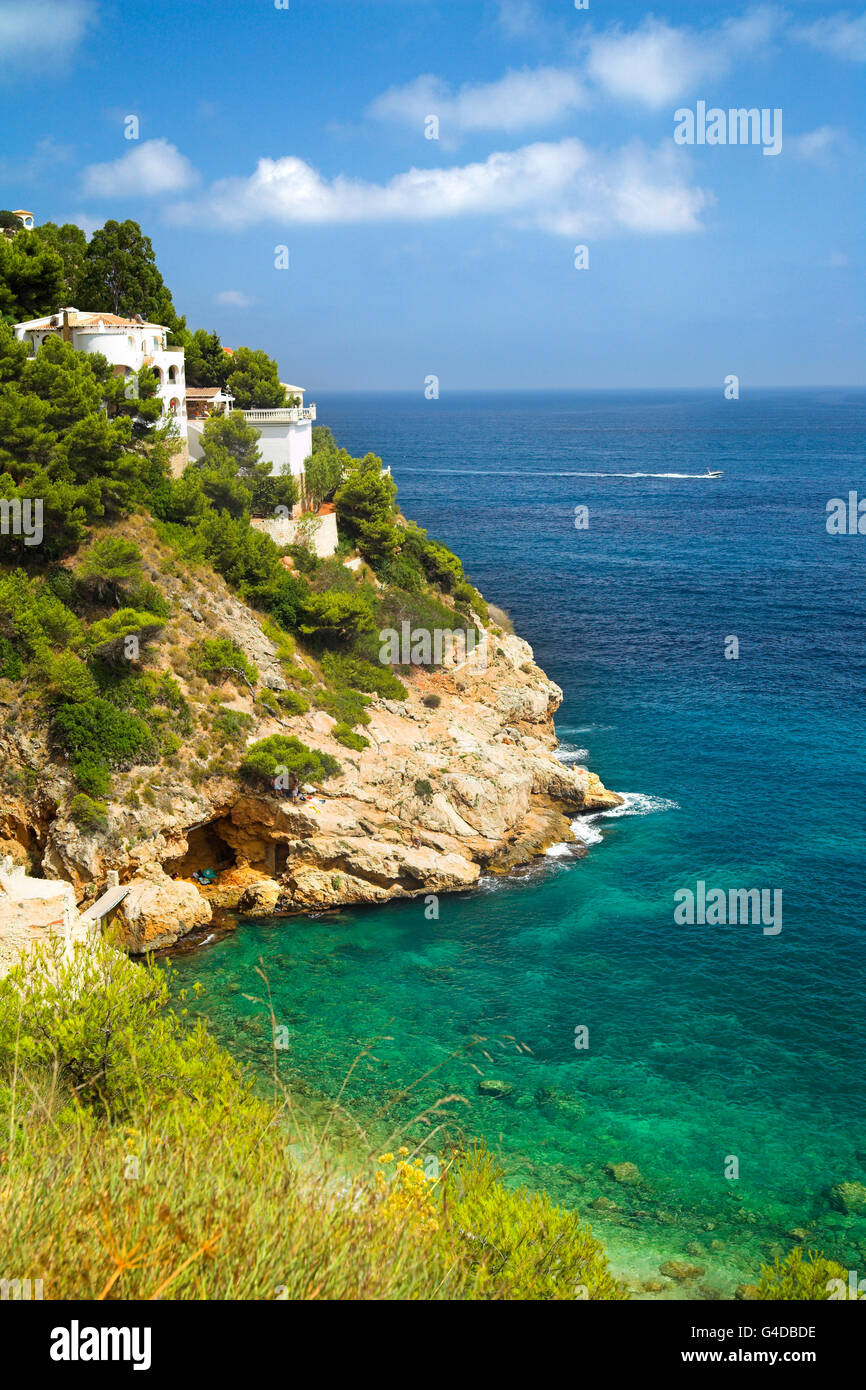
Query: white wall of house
[[285, 437], [319, 532]]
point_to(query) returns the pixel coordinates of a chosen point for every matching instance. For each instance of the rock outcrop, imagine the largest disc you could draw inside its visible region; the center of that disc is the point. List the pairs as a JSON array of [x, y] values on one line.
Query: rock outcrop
[[157, 911], [459, 779], [34, 912]]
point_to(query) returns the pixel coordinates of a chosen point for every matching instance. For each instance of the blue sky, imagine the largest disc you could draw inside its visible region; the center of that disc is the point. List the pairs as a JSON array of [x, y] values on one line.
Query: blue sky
[[304, 127]]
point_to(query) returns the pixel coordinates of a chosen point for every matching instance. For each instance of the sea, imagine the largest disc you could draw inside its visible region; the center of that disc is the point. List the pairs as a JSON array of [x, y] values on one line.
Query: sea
[[708, 636]]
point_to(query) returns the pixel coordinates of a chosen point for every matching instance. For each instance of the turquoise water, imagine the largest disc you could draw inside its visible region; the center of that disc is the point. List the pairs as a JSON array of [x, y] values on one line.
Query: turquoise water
[[705, 1042]]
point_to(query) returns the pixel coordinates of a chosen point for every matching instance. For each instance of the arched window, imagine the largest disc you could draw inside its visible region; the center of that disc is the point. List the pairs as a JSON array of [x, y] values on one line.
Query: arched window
[[172, 373], [174, 405]]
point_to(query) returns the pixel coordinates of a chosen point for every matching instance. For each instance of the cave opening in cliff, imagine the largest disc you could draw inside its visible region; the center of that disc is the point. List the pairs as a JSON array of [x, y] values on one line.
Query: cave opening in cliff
[[206, 849], [24, 843], [281, 860]]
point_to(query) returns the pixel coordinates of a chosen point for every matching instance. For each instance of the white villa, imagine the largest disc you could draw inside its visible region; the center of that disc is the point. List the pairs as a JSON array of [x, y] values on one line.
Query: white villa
[[286, 433], [128, 344]]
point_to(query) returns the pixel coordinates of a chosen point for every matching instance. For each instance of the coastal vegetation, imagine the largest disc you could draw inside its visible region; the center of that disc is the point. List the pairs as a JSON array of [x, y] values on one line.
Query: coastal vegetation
[[137, 1160], [83, 613], [138, 1163]]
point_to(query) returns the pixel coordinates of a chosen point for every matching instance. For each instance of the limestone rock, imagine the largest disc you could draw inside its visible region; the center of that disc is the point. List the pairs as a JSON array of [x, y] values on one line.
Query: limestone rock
[[260, 899], [467, 782], [157, 911]]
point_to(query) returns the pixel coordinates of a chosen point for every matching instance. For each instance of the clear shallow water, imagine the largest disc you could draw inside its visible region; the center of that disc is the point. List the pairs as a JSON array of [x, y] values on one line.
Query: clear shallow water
[[705, 1041]]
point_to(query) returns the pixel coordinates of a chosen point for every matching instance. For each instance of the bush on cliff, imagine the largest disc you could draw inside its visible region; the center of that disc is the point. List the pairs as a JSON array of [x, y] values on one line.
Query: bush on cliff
[[363, 675], [349, 739], [219, 657], [88, 814], [99, 735], [283, 755]]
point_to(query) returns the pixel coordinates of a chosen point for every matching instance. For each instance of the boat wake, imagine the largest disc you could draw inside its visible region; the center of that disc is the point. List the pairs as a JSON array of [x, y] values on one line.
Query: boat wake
[[564, 473]]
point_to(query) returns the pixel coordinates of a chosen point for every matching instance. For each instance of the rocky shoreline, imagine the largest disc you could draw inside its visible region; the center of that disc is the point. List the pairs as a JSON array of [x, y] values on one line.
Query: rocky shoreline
[[459, 779]]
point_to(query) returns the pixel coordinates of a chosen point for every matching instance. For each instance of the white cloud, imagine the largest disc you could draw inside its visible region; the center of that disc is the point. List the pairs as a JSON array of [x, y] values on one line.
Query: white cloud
[[150, 168], [656, 63], [561, 187], [842, 35], [518, 18], [34, 31], [653, 65], [815, 144], [235, 299], [517, 101], [635, 190], [87, 224]]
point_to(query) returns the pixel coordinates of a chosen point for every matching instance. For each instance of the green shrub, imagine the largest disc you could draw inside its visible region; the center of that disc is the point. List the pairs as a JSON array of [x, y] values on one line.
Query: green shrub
[[404, 573], [432, 701], [363, 675], [232, 725], [101, 1020], [346, 706], [91, 775], [100, 734], [284, 599], [87, 813], [469, 597], [109, 566], [33, 619], [519, 1244], [343, 734], [423, 788], [335, 619], [148, 597], [11, 665], [799, 1278], [221, 657], [280, 753], [67, 678], [441, 566], [108, 639], [292, 702]]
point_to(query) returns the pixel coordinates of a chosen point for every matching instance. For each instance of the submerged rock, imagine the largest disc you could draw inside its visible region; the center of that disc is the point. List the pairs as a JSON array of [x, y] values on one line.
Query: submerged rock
[[495, 1088], [681, 1271], [627, 1173], [849, 1197]]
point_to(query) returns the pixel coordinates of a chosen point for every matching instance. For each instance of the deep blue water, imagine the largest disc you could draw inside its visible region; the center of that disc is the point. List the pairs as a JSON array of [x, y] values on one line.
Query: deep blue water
[[705, 1041]]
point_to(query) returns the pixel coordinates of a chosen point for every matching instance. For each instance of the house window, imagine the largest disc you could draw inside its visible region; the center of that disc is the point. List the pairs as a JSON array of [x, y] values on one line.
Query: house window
[[172, 373], [174, 405]]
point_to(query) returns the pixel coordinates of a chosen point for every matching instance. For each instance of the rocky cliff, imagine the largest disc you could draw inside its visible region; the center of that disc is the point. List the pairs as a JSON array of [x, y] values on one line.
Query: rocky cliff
[[459, 778]]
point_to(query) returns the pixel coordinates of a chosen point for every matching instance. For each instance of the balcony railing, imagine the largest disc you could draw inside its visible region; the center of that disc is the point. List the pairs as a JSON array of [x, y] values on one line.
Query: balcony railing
[[288, 415]]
